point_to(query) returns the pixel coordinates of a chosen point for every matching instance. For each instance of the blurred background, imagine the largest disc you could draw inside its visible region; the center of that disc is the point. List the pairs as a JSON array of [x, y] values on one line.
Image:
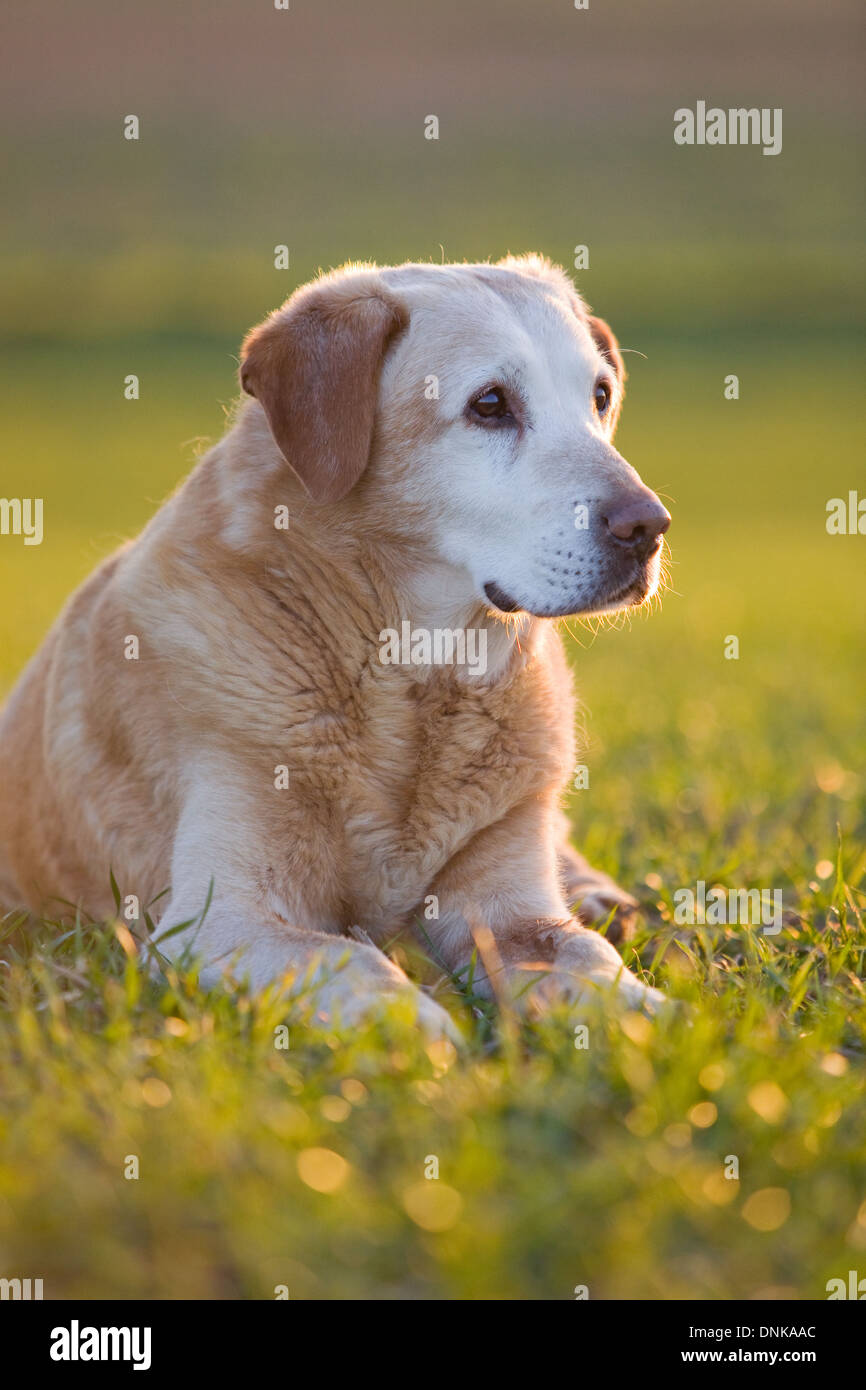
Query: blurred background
[[305, 127]]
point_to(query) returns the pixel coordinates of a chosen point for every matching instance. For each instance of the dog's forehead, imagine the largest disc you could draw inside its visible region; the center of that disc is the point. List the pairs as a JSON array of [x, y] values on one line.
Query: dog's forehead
[[470, 308]]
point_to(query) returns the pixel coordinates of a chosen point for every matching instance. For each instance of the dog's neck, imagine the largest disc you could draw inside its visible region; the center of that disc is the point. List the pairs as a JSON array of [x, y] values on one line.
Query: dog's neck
[[436, 597]]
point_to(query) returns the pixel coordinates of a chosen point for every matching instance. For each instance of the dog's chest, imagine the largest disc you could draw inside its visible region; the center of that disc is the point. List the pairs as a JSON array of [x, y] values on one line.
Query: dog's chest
[[435, 763]]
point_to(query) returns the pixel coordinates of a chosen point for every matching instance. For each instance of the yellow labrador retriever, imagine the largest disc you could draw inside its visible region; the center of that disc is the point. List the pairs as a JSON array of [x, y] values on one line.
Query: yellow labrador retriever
[[326, 681]]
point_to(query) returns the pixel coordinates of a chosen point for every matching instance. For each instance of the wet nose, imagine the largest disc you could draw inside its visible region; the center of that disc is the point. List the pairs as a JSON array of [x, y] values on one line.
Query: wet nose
[[637, 521]]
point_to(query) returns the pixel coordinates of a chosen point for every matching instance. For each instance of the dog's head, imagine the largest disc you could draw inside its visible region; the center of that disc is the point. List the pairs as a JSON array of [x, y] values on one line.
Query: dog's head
[[474, 405]]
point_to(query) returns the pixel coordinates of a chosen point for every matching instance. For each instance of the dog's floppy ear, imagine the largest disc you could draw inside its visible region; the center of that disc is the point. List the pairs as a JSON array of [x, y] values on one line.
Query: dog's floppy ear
[[314, 367], [602, 336]]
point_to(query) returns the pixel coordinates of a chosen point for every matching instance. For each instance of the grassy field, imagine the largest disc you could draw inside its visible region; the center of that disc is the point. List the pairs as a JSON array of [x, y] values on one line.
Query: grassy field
[[559, 1167]]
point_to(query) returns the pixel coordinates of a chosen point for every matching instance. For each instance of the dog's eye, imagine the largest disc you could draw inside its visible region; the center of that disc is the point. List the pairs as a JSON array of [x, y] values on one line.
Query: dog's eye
[[492, 404], [602, 397]]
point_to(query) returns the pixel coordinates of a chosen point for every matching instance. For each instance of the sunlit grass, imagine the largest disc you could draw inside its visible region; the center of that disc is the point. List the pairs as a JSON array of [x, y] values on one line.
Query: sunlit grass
[[558, 1166]]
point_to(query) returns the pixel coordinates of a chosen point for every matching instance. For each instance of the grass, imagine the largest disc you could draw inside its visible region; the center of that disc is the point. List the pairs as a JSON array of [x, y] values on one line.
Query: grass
[[559, 1166]]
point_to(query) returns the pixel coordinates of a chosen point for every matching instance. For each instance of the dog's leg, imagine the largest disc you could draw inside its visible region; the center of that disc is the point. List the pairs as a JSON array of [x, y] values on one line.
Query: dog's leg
[[234, 934], [502, 898], [594, 895], [348, 981]]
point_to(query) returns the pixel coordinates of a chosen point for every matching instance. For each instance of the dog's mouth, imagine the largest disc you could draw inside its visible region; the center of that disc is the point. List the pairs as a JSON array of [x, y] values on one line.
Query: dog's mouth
[[625, 595], [501, 600]]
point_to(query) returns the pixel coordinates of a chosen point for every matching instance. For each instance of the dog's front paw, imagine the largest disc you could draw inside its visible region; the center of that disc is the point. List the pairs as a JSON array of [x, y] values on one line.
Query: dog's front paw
[[362, 989], [583, 993], [584, 970], [434, 1021]]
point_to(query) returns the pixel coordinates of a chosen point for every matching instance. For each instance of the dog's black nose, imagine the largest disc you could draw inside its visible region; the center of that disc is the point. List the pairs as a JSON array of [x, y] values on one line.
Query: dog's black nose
[[638, 520]]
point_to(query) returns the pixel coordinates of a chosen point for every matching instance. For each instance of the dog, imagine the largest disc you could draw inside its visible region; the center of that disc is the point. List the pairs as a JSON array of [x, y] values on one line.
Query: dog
[[218, 712]]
